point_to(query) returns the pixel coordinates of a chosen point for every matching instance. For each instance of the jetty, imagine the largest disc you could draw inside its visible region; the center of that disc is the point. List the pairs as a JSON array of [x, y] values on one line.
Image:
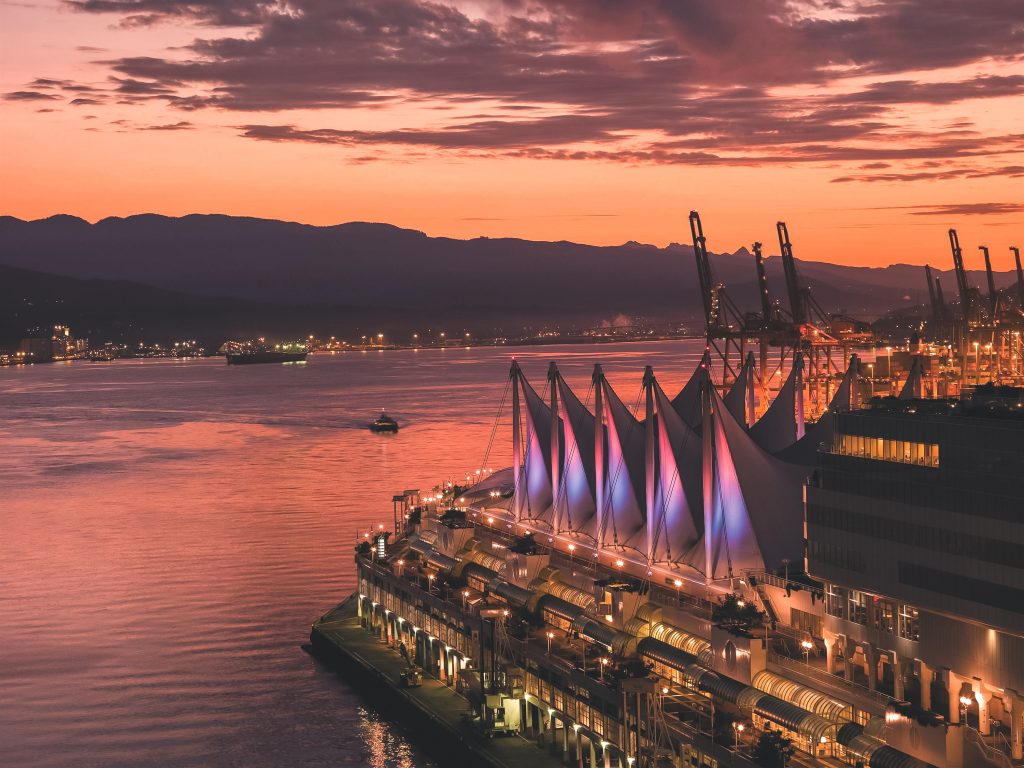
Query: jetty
[[438, 717]]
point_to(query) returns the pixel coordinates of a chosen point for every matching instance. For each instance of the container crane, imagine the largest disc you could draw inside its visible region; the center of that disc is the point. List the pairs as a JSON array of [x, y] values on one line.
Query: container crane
[[1020, 277], [993, 294], [726, 328]]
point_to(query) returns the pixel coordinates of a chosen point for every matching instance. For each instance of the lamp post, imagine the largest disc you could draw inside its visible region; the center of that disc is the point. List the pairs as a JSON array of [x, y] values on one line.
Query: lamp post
[[786, 561], [572, 548], [737, 729], [604, 663], [871, 377], [965, 702], [678, 583], [430, 582], [807, 645], [465, 594]]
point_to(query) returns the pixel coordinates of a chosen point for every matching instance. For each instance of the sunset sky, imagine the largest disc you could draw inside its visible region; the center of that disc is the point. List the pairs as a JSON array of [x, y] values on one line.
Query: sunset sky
[[870, 127]]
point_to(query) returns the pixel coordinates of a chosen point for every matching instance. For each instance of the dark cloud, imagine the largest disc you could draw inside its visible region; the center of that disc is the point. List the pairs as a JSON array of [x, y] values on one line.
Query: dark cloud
[[967, 209], [29, 96], [672, 81], [86, 102], [181, 125], [1007, 171]]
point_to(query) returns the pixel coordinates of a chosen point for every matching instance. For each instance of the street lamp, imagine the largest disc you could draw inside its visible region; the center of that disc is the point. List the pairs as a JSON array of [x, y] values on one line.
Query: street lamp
[[678, 583], [604, 663], [965, 702], [871, 377], [551, 636], [785, 564], [572, 548], [807, 645], [465, 594], [430, 582], [737, 729]]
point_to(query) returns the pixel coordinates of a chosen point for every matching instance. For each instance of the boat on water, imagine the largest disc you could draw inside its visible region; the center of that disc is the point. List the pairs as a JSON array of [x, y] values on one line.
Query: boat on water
[[254, 352], [265, 356], [383, 423]]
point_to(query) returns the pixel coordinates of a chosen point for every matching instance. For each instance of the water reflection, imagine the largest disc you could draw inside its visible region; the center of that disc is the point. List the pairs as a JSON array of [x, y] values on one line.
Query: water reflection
[[171, 530]]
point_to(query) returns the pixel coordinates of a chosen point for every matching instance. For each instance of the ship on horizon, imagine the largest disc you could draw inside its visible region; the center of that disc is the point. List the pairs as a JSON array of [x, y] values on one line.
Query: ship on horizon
[[256, 352]]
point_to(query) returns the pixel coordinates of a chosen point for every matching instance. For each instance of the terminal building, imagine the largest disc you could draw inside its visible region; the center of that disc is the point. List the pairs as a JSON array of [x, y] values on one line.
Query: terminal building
[[915, 526], [673, 584]]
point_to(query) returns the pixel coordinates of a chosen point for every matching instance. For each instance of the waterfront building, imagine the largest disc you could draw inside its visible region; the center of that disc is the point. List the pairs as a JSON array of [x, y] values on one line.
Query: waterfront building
[[915, 523], [646, 587]]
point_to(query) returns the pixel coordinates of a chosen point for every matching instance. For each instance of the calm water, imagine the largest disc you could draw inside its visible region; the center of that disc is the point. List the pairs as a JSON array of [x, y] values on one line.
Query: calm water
[[169, 531]]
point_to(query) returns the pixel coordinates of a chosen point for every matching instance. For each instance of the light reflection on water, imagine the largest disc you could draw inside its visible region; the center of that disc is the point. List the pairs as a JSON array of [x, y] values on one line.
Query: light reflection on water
[[171, 529]]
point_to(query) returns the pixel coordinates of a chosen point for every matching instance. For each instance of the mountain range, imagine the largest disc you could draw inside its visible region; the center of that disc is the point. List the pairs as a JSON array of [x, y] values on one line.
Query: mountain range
[[237, 273]]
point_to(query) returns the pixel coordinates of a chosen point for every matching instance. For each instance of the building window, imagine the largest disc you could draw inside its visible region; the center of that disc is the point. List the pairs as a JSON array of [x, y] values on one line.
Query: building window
[[857, 607], [882, 449], [885, 615], [835, 602], [909, 626]]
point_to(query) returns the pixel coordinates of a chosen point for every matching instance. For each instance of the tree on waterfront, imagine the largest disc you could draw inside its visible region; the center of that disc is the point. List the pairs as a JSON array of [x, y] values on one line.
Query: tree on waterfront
[[773, 750]]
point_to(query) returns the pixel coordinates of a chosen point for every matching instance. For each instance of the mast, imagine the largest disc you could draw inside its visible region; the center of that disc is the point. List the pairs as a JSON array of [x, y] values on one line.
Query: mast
[[599, 468], [517, 448], [650, 466], [555, 459]]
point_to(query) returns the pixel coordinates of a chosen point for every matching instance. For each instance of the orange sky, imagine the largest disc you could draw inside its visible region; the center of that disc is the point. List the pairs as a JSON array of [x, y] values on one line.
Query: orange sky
[[555, 123]]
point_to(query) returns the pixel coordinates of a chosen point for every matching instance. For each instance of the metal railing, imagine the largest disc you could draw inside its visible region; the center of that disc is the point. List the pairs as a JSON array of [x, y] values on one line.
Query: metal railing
[[990, 752], [799, 668], [781, 583]]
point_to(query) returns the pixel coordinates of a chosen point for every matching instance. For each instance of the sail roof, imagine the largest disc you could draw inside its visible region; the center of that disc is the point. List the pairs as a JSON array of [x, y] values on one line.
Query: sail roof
[[626, 478], [576, 505], [777, 428], [679, 500], [533, 489], [755, 515]]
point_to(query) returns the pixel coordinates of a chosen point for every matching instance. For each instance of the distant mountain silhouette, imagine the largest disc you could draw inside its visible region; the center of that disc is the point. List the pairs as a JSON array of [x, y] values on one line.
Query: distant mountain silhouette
[[118, 311], [365, 267]]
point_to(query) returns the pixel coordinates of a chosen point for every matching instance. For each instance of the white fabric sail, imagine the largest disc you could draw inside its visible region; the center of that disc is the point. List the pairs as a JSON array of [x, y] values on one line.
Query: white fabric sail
[[688, 402], [912, 386], [533, 490], [755, 515], [804, 451], [679, 500], [741, 391], [777, 428], [576, 505], [625, 481]]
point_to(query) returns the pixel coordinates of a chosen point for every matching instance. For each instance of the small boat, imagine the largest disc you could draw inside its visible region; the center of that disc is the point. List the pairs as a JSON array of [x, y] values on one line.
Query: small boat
[[384, 423]]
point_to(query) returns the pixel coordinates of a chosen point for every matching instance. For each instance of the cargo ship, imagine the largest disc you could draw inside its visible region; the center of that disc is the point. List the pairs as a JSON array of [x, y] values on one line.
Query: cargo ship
[[265, 356], [252, 353]]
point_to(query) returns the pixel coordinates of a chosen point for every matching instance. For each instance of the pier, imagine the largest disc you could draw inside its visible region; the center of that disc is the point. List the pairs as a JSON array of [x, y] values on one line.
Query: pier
[[435, 713]]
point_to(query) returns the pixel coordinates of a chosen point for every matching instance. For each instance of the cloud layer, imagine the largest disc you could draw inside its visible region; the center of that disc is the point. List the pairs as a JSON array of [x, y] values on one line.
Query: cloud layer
[[746, 82]]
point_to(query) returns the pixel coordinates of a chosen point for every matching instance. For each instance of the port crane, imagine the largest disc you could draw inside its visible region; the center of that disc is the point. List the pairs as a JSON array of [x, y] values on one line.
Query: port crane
[[802, 329]]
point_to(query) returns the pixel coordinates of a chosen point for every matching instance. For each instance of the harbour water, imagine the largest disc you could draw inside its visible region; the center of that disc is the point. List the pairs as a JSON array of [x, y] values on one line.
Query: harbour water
[[171, 529]]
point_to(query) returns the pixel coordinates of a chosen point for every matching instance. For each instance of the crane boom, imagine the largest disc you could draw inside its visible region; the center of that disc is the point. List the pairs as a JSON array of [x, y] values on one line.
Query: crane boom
[[961, 276], [941, 300], [931, 292], [1020, 275], [796, 298], [700, 253], [762, 285], [993, 295]]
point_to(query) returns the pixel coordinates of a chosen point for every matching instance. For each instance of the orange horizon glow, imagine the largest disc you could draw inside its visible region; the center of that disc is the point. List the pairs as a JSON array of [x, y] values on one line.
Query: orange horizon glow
[[868, 162]]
